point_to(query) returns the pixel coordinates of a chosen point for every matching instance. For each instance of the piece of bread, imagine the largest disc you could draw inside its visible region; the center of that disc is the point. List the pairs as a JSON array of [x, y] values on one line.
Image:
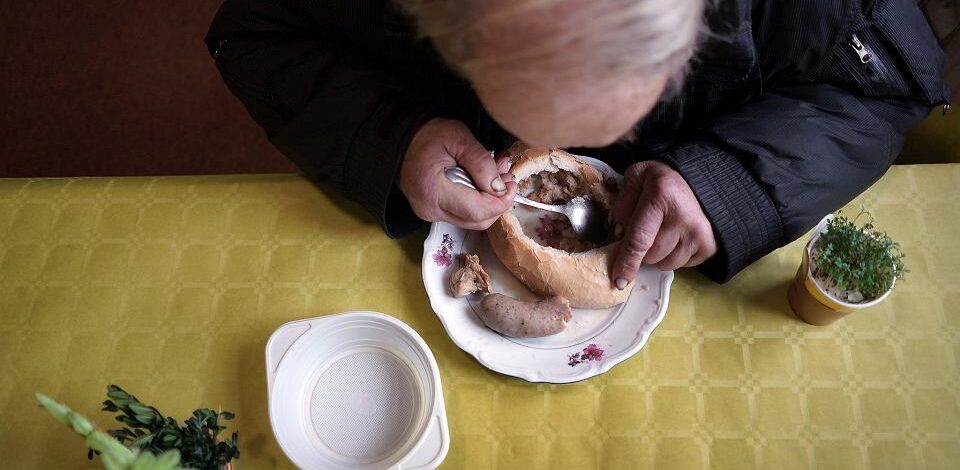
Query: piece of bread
[[582, 278]]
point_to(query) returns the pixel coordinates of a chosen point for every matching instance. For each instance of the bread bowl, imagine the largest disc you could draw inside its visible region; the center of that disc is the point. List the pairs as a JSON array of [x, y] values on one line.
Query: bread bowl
[[582, 276]]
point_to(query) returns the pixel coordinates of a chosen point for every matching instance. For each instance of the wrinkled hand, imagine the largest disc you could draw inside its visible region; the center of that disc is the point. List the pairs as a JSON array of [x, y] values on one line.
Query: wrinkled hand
[[442, 143], [662, 222]]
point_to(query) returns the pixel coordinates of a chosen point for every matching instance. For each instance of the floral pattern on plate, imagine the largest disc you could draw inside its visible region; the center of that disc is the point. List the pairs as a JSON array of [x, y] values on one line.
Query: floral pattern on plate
[[594, 341], [589, 353], [443, 257]]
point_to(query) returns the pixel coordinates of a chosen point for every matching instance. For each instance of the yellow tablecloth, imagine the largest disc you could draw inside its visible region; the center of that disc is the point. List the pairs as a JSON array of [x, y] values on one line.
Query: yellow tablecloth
[[170, 287]]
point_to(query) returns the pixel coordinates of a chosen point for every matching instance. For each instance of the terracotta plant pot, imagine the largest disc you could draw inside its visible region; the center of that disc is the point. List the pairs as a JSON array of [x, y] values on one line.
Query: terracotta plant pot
[[810, 302]]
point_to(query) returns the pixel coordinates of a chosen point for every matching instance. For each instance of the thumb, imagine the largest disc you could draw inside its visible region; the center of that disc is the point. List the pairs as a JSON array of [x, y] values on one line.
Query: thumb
[[482, 168], [474, 210], [639, 234]]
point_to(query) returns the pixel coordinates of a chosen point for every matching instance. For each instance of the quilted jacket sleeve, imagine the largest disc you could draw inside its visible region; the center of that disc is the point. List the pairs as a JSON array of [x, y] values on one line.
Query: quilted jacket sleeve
[[766, 172], [334, 113]]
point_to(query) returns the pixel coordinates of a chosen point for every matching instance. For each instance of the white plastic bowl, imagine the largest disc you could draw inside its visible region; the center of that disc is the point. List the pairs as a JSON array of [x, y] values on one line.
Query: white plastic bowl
[[357, 390]]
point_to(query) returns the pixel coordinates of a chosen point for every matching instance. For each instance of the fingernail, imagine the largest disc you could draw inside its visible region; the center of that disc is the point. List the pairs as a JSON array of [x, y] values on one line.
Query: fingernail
[[621, 283], [497, 185], [618, 230]]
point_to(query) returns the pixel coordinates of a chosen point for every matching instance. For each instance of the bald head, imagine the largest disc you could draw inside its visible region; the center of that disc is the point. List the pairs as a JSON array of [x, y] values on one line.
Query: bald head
[[588, 111]]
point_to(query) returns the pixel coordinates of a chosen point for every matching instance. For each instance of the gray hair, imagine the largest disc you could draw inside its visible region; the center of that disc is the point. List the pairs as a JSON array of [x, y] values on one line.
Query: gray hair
[[645, 37]]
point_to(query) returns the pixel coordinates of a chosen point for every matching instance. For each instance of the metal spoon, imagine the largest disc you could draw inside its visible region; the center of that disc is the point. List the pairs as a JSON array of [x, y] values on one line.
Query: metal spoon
[[587, 219]]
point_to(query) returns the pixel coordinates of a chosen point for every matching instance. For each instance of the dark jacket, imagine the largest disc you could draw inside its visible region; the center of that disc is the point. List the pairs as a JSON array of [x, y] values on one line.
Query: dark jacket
[[791, 109]]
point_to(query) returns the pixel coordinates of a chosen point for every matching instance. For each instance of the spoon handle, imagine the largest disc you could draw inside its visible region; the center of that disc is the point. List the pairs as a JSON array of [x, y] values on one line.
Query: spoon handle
[[538, 205], [459, 175]]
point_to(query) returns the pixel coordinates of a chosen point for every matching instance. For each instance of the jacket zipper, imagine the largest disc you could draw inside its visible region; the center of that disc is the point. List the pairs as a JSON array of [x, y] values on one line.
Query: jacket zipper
[[869, 58], [865, 53]]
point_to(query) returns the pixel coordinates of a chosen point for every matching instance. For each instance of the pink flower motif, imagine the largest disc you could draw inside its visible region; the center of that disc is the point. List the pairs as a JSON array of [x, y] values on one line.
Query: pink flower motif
[[443, 257], [592, 353], [589, 353]]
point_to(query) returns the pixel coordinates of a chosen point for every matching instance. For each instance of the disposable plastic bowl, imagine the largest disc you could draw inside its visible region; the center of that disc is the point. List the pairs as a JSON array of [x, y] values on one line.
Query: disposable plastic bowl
[[357, 390]]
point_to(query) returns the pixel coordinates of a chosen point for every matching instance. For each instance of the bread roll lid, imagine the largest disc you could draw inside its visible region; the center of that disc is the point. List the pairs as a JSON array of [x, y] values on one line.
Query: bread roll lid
[[582, 278]]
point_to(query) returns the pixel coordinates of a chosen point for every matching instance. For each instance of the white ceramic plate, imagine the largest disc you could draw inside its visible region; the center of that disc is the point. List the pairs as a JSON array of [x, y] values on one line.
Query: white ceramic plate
[[594, 341]]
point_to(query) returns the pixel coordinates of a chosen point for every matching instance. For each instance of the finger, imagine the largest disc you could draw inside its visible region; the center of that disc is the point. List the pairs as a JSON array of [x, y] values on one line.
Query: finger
[[697, 259], [503, 164], [679, 258], [486, 223], [639, 237], [707, 248], [482, 168], [708, 243], [665, 243], [470, 206], [626, 201], [466, 225], [469, 224]]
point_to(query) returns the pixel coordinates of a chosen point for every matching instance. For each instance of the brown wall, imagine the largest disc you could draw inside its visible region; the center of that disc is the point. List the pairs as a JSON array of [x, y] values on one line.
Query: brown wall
[[113, 87]]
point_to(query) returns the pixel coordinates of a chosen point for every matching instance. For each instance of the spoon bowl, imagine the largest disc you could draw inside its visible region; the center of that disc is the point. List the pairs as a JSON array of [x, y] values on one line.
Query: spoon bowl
[[587, 219]]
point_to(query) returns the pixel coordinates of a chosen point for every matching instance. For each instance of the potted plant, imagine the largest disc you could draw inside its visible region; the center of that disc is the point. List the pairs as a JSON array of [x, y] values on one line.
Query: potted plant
[[194, 444], [846, 267]]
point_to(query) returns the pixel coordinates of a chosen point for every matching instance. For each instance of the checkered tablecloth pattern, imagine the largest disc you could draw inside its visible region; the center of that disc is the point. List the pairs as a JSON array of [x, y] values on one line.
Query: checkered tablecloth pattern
[[171, 286]]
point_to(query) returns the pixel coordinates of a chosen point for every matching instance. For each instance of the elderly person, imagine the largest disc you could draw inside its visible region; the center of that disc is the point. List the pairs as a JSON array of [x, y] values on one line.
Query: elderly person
[[738, 125]]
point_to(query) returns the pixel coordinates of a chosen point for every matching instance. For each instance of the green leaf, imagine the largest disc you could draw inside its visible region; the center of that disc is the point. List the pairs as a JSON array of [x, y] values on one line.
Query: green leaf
[[144, 461], [122, 435], [57, 410], [112, 453], [106, 446], [168, 459], [142, 410], [144, 419], [112, 462], [141, 442], [858, 258], [195, 439]]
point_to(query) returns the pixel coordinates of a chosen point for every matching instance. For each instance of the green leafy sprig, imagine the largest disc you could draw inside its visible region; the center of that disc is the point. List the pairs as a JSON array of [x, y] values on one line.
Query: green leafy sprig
[[113, 454], [858, 258], [149, 430]]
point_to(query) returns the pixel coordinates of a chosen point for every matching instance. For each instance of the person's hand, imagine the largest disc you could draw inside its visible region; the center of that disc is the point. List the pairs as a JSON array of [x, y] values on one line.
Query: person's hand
[[662, 222], [442, 143]]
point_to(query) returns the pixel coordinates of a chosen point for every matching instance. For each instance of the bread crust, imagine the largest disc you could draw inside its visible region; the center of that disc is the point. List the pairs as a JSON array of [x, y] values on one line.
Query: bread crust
[[582, 278]]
